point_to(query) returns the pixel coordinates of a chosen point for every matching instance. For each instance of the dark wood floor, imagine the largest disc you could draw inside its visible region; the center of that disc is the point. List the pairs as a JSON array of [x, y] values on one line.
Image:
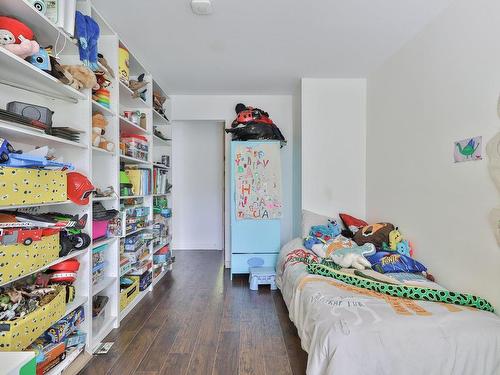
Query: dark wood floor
[[198, 321]]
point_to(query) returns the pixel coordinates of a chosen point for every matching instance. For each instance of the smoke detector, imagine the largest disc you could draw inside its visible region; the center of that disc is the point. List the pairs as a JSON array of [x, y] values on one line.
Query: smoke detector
[[201, 7]]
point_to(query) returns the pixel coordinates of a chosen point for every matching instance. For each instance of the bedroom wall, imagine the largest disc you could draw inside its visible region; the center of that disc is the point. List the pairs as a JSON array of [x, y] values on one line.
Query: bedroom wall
[[281, 109], [333, 145], [441, 87]]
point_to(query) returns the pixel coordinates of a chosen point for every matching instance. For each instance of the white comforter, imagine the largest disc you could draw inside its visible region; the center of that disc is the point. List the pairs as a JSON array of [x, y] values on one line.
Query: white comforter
[[348, 332]]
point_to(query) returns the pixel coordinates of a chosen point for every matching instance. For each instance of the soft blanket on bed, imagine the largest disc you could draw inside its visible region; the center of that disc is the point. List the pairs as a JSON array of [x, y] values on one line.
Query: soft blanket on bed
[[350, 330]]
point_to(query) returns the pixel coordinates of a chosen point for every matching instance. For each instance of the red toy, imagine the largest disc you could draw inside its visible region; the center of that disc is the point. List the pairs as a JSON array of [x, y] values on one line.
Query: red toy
[[64, 272], [17, 38], [247, 115], [79, 188]]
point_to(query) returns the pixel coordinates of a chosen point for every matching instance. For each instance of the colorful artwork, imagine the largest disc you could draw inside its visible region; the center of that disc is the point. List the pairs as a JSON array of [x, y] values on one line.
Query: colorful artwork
[[258, 181], [468, 149]]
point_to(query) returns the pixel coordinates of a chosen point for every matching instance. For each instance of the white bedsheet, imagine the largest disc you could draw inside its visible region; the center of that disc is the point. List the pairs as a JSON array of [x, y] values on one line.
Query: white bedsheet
[[346, 332]]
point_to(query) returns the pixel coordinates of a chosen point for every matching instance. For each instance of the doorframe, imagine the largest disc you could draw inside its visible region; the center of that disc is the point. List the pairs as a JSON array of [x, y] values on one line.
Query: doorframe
[[226, 219]]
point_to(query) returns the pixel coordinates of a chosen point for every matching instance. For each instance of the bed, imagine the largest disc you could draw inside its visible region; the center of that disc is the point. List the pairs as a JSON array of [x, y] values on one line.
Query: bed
[[352, 331]]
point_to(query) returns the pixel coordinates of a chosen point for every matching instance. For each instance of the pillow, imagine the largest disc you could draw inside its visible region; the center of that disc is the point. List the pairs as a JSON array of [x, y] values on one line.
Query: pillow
[[325, 249], [352, 224], [310, 219], [388, 262], [376, 234]]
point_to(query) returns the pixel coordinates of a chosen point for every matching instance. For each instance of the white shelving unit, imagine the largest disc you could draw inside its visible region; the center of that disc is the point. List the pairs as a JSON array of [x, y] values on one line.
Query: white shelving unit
[[21, 81]]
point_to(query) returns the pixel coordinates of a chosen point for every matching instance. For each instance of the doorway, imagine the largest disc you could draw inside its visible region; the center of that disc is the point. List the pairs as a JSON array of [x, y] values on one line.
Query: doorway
[[198, 179]]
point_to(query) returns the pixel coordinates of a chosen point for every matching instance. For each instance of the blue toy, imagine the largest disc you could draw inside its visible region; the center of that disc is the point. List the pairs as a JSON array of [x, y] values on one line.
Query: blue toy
[[310, 241], [32, 161], [41, 60], [325, 232], [403, 248], [87, 33]]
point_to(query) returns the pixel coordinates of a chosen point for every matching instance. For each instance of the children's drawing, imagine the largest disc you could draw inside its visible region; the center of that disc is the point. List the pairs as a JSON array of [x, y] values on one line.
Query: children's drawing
[[258, 181], [468, 149]]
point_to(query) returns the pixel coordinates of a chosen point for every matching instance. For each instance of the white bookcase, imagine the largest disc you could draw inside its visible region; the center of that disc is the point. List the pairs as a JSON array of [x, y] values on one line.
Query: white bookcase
[[20, 81]]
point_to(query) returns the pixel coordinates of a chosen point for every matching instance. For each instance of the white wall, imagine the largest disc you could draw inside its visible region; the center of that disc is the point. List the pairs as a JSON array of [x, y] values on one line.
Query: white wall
[[198, 183], [442, 86], [221, 108], [333, 145]]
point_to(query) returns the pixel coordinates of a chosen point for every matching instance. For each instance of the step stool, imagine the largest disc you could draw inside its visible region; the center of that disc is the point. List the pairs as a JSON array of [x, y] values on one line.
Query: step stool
[[262, 275]]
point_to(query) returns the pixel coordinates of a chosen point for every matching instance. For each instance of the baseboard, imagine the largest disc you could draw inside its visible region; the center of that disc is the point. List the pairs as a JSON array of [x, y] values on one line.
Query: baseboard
[[195, 246]]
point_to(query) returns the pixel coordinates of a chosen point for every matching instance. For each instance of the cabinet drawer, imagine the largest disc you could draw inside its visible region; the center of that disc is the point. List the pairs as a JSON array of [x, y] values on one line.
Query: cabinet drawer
[[240, 263]]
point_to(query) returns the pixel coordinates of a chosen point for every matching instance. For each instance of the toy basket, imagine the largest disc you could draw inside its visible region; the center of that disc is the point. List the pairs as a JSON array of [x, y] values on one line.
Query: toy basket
[[31, 186], [19, 259], [16, 335], [127, 295]]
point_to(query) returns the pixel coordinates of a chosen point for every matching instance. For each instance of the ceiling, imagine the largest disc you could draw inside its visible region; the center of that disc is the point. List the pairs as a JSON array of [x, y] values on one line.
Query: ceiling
[[264, 46]]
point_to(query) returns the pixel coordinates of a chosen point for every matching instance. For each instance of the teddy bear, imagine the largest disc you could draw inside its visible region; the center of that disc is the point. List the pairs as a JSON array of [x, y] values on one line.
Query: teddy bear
[[99, 124], [17, 38]]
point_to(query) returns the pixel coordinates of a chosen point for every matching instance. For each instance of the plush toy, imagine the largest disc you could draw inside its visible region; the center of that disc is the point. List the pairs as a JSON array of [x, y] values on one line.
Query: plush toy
[[325, 232], [81, 77], [158, 102], [17, 38], [354, 257], [105, 65], [87, 32], [404, 248], [325, 249], [394, 239], [376, 234], [41, 60], [138, 86], [99, 124]]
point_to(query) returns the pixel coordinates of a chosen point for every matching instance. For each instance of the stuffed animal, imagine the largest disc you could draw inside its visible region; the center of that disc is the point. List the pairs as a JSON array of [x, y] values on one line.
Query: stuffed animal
[[81, 77], [17, 38], [41, 60], [104, 63], [99, 124], [326, 232], [354, 257], [138, 86], [394, 239], [158, 102]]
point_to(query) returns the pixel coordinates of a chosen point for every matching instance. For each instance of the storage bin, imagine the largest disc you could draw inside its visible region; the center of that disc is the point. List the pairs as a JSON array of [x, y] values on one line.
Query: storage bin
[[145, 280], [99, 304], [136, 146], [19, 259], [31, 186], [99, 228], [127, 295], [16, 335]]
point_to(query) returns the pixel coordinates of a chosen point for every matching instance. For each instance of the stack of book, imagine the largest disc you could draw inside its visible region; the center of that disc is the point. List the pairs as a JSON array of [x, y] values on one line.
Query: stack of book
[[160, 181], [140, 178]]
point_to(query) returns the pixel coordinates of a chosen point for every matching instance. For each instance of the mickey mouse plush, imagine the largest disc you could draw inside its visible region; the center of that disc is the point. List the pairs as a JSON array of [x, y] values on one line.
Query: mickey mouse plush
[[17, 38], [254, 123]]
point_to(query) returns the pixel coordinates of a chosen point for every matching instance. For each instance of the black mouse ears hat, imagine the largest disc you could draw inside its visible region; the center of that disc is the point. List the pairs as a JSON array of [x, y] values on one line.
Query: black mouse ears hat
[[240, 107]]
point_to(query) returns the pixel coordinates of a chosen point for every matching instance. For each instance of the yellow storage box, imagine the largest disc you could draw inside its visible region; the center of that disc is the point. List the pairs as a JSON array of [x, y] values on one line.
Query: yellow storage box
[[129, 294], [31, 186], [19, 259], [16, 335]]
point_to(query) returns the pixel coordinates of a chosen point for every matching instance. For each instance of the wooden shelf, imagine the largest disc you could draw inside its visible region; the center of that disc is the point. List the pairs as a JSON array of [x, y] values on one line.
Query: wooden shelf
[[36, 205], [22, 134], [128, 127], [101, 285], [104, 199], [103, 242], [161, 166], [160, 276], [132, 160], [75, 304], [103, 151], [128, 101], [22, 74], [57, 261], [135, 231], [134, 196], [103, 332], [99, 107], [158, 118], [157, 141]]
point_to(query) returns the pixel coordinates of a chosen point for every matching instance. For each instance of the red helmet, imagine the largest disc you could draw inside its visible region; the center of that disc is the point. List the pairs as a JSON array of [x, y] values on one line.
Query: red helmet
[[64, 272], [79, 188], [247, 115]]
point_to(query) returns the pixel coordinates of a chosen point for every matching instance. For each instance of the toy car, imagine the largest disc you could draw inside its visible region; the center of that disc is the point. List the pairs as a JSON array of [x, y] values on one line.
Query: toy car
[[16, 235]]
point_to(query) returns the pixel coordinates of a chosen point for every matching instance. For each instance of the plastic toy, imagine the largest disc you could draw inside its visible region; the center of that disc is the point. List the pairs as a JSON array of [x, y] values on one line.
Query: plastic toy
[[41, 60], [254, 123], [79, 188], [39, 5], [5, 149], [64, 272], [24, 236], [17, 38]]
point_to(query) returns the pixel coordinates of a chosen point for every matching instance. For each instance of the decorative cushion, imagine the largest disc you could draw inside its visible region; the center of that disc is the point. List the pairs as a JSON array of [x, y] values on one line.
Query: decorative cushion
[[326, 249], [352, 224], [387, 262], [376, 234]]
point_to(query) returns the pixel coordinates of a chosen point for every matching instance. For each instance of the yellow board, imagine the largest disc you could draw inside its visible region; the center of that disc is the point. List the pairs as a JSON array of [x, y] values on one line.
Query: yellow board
[[16, 335], [134, 176], [19, 260], [31, 186], [129, 294], [123, 65]]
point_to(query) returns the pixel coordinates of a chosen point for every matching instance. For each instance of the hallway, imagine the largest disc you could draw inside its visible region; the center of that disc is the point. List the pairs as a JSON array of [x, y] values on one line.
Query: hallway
[[200, 322]]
